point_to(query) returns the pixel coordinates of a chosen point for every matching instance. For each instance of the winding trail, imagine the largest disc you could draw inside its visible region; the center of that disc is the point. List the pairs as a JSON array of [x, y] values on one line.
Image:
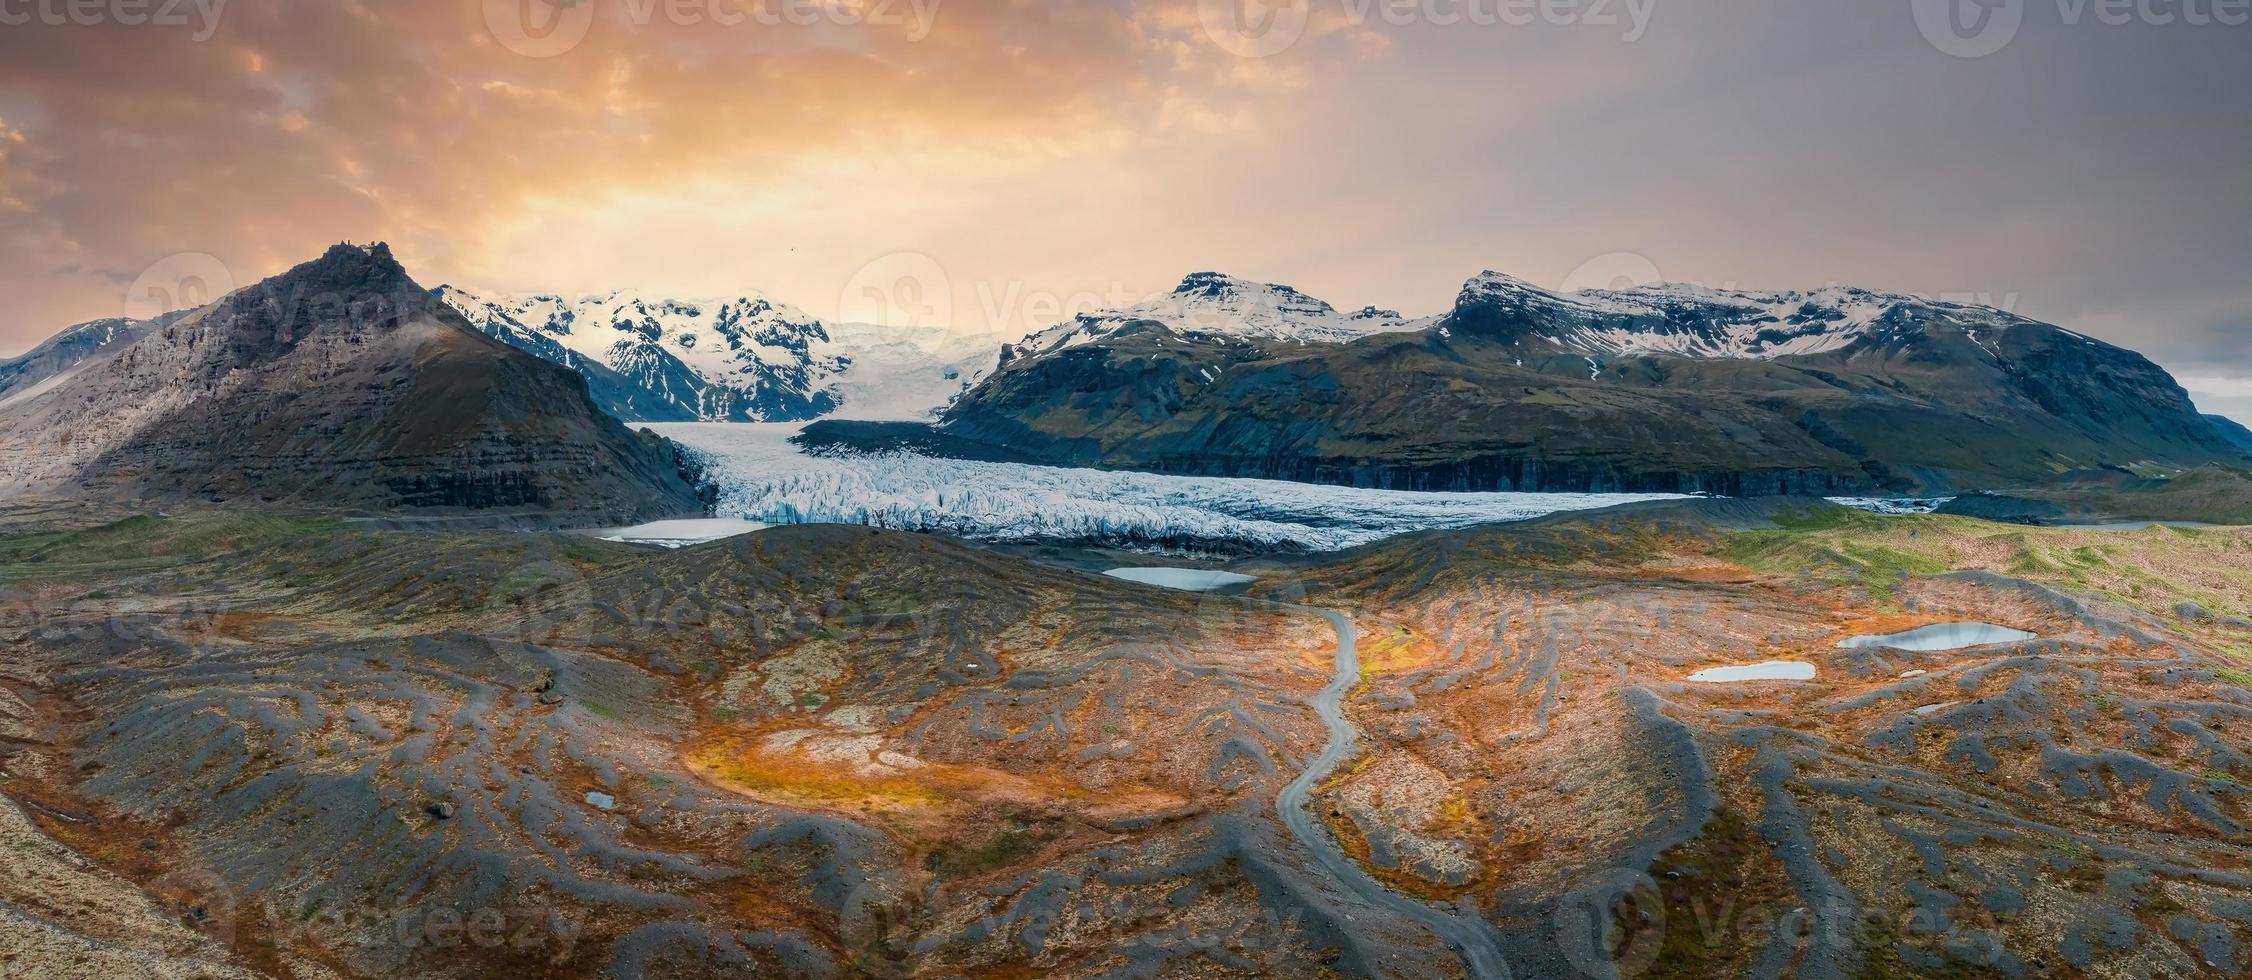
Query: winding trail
[[1473, 939]]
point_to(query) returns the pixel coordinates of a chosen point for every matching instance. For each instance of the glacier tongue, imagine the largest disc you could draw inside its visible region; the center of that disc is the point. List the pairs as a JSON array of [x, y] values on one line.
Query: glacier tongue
[[764, 478]]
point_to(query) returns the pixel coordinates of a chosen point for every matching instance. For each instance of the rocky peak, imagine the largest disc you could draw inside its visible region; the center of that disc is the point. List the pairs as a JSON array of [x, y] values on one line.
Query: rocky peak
[[350, 288]]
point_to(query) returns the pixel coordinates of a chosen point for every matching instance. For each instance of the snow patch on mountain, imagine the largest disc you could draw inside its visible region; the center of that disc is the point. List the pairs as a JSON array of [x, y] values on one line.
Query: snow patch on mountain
[[1705, 322], [745, 359], [906, 373], [766, 479], [1213, 303]]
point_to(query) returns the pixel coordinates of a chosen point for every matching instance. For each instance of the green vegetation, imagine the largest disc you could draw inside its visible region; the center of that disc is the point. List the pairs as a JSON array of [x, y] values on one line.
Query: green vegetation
[[146, 543], [2211, 494], [1006, 849], [2155, 569], [2240, 678], [1836, 547]]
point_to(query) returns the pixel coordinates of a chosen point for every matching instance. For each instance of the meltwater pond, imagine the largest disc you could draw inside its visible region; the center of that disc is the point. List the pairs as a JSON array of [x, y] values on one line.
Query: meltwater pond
[[1775, 670], [682, 533], [1940, 636], [1185, 579]]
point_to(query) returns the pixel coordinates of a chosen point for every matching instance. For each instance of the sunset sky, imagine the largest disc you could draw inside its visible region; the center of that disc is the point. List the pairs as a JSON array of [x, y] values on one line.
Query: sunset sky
[[1013, 157]]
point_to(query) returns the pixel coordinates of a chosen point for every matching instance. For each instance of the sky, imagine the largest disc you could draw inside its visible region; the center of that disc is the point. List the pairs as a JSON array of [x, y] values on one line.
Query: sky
[[992, 165]]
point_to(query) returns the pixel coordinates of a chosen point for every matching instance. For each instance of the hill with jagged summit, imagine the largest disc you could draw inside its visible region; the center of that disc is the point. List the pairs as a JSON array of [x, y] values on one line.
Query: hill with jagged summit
[[338, 384]]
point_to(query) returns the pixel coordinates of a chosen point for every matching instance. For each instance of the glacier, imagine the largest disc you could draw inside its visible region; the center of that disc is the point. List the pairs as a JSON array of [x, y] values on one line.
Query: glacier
[[1893, 505], [765, 479]]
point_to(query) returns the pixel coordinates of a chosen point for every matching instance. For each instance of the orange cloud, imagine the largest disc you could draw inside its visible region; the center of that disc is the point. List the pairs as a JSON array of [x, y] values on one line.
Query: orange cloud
[[299, 124]]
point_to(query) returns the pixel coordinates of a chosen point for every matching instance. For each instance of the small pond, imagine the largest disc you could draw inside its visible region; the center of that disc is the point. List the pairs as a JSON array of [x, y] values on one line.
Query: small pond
[[1940, 636], [682, 533], [1185, 579], [1776, 670]]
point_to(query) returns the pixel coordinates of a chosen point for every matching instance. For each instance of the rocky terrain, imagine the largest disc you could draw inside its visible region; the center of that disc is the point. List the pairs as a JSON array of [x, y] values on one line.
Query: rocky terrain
[[339, 384], [22, 376], [2214, 494], [295, 747], [307, 722], [1658, 388], [2067, 805]]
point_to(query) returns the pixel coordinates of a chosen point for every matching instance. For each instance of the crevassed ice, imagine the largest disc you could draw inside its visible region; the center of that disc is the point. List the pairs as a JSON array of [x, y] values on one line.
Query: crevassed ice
[[1893, 505], [764, 478]]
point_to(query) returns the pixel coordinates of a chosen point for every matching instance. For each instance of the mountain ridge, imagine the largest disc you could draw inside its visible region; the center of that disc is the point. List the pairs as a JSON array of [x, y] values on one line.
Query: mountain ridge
[[749, 358], [340, 383], [1839, 390]]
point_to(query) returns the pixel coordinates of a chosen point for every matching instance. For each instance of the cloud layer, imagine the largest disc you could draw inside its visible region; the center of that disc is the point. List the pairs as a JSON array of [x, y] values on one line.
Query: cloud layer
[[1041, 155]]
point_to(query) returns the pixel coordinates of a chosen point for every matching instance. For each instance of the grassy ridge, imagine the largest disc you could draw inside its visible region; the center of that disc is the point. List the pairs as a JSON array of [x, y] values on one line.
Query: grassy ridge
[[2161, 570], [146, 543]]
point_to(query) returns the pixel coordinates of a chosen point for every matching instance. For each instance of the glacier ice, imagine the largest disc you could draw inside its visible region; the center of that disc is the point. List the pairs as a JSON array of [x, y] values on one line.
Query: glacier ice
[[764, 478], [1893, 505]]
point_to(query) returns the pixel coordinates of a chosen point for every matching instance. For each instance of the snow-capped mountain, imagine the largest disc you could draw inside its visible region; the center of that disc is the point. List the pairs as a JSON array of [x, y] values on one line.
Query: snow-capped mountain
[[745, 359], [1703, 322], [52, 362], [1833, 391], [1212, 303]]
